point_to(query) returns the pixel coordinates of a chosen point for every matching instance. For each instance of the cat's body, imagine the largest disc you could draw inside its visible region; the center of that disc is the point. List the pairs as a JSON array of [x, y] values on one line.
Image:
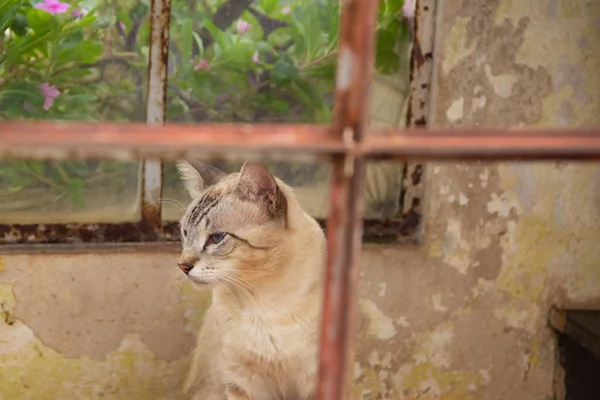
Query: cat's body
[[259, 339]]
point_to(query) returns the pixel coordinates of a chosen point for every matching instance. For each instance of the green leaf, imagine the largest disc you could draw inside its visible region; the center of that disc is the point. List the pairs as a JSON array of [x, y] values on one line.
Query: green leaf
[[8, 10], [87, 52], [8, 4], [22, 92], [80, 98], [42, 21], [19, 25], [199, 43], [269, 6], [88, 19], [221, 38], [76, 187], [324, 70], [186, 39], [36, 166], [309, 28], [310, 94], [264, 47], [28, 44], [284, 70], [236, 56], [387, 59]]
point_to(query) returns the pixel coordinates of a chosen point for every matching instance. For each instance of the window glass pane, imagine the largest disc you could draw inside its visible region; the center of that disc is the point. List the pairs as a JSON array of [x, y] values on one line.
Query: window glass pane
[[252, 61], [72, 60], [387, 101]]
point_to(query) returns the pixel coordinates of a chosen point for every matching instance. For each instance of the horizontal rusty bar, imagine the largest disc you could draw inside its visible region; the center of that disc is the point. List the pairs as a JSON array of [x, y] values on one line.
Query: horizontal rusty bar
[[485, 144], [376, 231], [59, 141], [53, 140]]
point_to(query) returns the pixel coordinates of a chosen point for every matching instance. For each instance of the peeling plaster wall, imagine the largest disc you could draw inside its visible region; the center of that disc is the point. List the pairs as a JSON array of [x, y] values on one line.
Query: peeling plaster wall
[[464, 315], [460, 316]]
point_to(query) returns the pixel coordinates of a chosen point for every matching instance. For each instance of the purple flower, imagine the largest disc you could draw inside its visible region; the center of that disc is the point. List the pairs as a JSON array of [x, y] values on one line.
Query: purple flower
[[50, 92], [77, 13], [53, 6], [286, 10], [408, 9], [255, 58], [242, 26], [203, 64]]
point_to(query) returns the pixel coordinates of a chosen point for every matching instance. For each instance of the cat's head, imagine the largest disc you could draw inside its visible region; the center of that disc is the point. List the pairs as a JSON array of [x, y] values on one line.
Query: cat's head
[[233, 229]]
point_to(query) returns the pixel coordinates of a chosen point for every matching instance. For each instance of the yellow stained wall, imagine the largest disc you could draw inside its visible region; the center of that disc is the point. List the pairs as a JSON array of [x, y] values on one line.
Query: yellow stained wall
[[460, 316]]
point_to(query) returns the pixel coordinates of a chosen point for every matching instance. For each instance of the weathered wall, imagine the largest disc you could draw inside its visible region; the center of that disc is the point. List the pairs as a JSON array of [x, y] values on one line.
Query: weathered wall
[[464, 316], [461, 316]]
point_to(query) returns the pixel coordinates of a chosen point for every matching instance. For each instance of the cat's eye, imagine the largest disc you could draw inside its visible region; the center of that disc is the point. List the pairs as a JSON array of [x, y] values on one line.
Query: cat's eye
[[184, 232], [216, 238]]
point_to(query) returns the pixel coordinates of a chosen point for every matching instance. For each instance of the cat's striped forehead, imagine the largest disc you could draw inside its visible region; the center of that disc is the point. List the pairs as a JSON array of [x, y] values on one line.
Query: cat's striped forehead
[[222, 207], [212, 196]]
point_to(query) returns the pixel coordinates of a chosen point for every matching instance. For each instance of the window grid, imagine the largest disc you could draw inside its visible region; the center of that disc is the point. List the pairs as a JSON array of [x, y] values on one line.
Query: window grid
[[346, 144]]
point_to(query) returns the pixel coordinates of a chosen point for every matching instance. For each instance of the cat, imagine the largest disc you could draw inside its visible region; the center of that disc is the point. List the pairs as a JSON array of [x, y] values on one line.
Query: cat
[[245, 236]]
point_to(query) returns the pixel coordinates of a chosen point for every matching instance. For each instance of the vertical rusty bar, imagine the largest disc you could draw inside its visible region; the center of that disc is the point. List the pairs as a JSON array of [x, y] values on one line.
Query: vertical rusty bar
[[344, 224], [155, 107]]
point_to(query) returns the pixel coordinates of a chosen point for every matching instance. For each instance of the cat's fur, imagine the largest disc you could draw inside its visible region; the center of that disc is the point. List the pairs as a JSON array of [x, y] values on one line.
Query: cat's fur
[[259, 339]]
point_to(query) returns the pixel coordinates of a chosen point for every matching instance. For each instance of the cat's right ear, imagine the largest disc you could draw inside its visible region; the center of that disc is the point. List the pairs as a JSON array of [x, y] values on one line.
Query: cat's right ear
[[197, 176]]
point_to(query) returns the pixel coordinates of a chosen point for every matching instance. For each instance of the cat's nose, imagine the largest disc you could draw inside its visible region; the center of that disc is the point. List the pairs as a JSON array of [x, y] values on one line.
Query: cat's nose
[[185, 268]]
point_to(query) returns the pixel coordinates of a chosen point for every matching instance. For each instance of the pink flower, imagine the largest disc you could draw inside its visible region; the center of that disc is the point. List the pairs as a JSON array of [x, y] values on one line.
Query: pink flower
[[255, 58], [242, 26], [408, 9], [53, 6], [203, 64], [50, 92], [77, 14], [286, 10]]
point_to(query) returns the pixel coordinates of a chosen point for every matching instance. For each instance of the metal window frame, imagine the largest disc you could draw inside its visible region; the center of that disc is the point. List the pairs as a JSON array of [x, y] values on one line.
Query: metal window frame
[[347, 144]]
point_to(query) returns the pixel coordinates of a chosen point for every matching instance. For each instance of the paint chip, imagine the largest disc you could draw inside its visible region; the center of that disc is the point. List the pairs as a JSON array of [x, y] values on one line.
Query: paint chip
[[380, 325], [456, 110]]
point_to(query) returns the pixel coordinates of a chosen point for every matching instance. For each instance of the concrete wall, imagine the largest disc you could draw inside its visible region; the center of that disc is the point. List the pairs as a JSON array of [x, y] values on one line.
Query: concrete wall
[[460, 316]]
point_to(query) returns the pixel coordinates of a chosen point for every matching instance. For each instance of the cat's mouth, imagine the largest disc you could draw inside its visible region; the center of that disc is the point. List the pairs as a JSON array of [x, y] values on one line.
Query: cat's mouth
[[203, 279], [203, 282]]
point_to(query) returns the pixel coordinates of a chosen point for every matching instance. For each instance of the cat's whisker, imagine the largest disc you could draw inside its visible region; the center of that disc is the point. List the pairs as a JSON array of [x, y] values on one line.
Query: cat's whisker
[[173, 287], [240, 286], [225, 287], [168, 201]]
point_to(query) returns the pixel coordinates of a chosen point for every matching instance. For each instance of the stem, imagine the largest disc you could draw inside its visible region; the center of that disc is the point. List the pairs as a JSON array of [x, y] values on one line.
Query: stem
[[61, 171], [39, 177]]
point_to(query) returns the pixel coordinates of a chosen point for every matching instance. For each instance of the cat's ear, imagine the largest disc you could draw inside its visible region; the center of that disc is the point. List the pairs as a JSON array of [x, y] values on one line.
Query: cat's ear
[[256, 184], [197, 176]]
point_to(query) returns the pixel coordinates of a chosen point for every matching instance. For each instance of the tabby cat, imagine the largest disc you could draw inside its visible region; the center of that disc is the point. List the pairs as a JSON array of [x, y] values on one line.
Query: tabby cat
[[245, 236]]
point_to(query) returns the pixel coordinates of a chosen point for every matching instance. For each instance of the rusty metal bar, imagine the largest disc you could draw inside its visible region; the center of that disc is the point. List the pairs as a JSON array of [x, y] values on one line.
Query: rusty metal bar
[[344, 223], [156, 103], [485, 144], [61, 141]]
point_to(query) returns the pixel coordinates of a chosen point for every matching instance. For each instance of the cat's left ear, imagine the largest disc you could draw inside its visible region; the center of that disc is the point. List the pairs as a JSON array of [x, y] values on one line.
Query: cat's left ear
[[197, 176], [256, 184]]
